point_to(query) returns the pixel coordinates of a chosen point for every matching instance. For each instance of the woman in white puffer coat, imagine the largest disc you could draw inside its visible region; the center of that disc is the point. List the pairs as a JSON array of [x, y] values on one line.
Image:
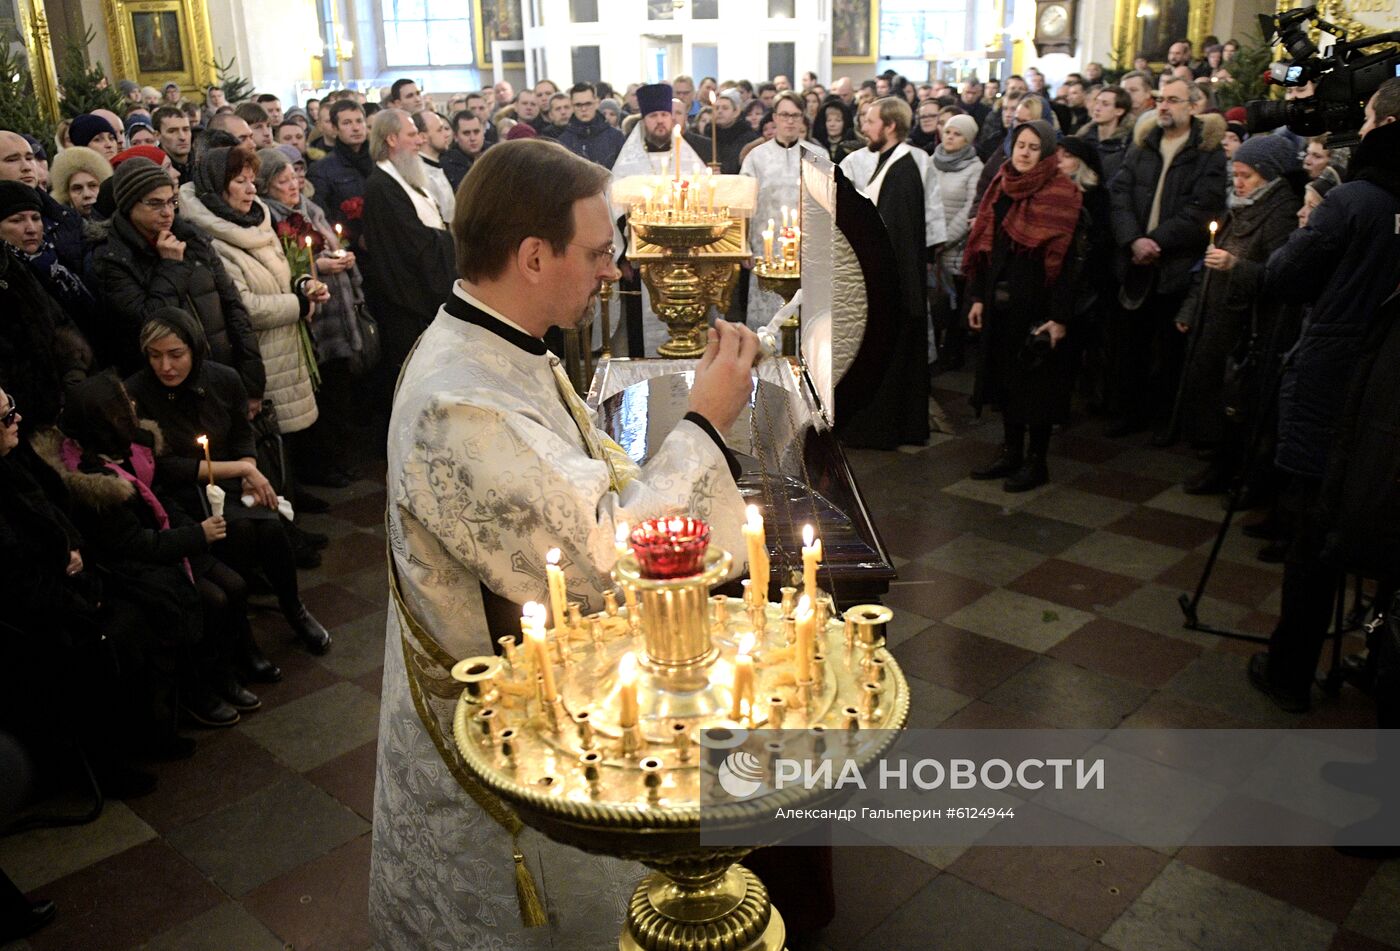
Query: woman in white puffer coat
[[222, 201], [957, 166]]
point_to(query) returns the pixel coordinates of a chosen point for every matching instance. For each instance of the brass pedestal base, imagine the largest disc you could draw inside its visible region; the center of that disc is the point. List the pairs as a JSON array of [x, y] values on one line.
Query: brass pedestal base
[[732, 912], [682, 290]]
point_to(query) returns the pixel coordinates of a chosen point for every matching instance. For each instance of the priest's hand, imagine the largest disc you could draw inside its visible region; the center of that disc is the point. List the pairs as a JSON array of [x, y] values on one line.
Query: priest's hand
[[974, 316], [724, 377]]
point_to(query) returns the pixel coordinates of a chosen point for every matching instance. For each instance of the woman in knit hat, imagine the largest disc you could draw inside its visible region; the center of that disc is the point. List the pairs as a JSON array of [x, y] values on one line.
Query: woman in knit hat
[[76, 176], [1226, 312], [96, 133], [1022, 269], [154, 258], [336, 331]]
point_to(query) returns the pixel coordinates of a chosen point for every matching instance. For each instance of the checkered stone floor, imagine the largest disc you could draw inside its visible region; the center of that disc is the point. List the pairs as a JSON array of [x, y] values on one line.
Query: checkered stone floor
[[1056, 608]]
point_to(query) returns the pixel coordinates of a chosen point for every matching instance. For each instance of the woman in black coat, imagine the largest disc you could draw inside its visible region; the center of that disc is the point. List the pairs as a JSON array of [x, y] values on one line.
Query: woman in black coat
[[835, 129], [188, 395], [1021, 264], [149, 552], [152, 258], [1223, 309]]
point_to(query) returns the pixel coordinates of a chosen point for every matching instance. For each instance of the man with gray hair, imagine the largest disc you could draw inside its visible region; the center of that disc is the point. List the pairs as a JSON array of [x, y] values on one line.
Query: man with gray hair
[[408, 262]]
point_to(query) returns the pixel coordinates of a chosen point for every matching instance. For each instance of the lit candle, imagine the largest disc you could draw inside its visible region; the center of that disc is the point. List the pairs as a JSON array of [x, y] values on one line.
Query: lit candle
[[340, 241], [534, 637], [676, 150], [743, 679], [785, 217], [627, 690], [558, 589], [310, 257], [685, 195], [620, 537], [711, 184], [768, 243], [806, 630], [796, 243], [811, 557], [1214, 226], [758, 555], [208, 462]]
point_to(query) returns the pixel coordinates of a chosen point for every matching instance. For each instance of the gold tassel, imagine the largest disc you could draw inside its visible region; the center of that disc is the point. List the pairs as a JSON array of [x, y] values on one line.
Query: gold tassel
[[531, 909]]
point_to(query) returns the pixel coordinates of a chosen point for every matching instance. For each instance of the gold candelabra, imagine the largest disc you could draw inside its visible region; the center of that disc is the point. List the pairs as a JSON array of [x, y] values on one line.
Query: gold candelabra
[[597, 733]]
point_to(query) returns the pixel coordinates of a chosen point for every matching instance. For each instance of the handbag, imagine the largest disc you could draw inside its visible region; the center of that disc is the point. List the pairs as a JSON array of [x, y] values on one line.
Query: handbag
[[365, 359], [271, 453]]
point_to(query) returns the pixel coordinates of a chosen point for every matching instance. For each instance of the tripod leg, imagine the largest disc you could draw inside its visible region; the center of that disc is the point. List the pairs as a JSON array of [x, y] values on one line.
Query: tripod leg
[[1332, 683]]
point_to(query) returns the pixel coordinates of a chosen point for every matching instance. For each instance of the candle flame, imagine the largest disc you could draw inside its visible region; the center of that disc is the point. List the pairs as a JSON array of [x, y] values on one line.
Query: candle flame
[[804, 605], [1213, 226], [533, 613], [627, 670], [622, 532], [808, 535], [713, 97], [308, 241], [202, 440], [746, 644], [753, 517], [552, 556], [676, 133]]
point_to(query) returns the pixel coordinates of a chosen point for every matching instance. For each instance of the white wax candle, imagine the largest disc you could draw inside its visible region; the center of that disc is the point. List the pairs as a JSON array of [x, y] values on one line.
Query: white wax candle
[[627, 690], [533, 625], [806, 631], [811, 557], [743, 679], [558, 589]]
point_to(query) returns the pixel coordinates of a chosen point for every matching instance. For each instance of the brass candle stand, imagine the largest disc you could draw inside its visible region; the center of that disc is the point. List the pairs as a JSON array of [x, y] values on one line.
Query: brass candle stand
[[683, 284], [578, 771]]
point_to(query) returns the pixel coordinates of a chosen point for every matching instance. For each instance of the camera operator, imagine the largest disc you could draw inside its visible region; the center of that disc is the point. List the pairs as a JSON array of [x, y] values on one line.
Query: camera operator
[[1346, 261]]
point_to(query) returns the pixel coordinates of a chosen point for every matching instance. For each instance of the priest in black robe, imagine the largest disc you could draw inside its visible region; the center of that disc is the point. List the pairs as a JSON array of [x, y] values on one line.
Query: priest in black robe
[[894, 410], [409, 262]]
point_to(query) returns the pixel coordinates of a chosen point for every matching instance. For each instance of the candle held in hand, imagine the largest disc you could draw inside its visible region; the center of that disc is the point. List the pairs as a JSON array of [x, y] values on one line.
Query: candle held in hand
[[1214, 226], [558, 589], [208, 462], [311, 257], [627, 691]]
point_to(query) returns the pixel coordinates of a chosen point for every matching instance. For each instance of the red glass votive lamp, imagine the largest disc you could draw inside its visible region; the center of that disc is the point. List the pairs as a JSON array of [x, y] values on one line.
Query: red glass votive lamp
[[670, 547]]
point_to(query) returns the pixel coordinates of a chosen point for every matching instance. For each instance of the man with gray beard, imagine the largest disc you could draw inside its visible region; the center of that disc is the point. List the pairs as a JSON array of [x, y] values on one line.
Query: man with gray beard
[[408, 262]]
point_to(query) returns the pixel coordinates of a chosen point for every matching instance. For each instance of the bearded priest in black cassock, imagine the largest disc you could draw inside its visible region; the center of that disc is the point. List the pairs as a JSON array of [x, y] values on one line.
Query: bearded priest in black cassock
[[896, 413]]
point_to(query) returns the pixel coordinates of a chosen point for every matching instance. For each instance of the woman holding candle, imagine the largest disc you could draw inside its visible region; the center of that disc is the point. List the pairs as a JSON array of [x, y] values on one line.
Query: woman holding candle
[[1225, 308], [188, 396], [337, 330]]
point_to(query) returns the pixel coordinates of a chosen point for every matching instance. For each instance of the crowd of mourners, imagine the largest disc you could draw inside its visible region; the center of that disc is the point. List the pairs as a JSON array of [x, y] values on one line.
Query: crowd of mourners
[[221, 294]]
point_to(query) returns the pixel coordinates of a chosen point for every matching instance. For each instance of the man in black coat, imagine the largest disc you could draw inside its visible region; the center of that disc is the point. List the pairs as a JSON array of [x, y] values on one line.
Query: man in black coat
[[589, 136], [468, 142], [897, 411], [1169, 188], [340, 177], [1346, 260], [152, 259], [410, 263]]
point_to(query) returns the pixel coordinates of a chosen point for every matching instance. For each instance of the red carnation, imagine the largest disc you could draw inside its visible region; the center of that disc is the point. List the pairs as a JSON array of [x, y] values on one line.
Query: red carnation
[[353, 208]]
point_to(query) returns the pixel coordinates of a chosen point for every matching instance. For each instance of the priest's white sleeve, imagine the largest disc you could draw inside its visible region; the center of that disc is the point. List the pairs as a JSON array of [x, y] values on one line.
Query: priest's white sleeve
[[498, 488]]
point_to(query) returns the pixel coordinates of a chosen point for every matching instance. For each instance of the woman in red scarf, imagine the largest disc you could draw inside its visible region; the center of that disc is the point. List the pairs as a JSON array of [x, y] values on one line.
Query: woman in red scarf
[[1021, 269]]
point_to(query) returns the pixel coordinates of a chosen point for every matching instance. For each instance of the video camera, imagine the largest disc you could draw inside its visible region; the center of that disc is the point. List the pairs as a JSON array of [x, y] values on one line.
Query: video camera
[[1342, 81]]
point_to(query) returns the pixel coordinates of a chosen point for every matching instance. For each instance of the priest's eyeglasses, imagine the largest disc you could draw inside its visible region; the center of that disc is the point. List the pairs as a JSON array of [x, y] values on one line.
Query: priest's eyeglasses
[[598, 255]]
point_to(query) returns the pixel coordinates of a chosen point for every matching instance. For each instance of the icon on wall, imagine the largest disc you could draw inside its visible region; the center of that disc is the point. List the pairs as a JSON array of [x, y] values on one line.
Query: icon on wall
[[158, 48], [854, 26]]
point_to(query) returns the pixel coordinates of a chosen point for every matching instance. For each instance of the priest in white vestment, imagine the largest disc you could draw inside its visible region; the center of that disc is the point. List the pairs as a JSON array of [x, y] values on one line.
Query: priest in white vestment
[[649, 150], [492, 461], [777, 164]]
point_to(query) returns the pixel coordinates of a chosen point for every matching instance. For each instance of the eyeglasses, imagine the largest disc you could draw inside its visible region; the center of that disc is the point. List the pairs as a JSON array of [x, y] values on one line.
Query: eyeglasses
[[157, 205], [1172, 100], [787, 115], [597, 254], [11, 414]]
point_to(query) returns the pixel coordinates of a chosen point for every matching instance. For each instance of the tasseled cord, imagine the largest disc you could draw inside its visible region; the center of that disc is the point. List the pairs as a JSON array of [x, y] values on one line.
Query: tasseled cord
[[531, 908]]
